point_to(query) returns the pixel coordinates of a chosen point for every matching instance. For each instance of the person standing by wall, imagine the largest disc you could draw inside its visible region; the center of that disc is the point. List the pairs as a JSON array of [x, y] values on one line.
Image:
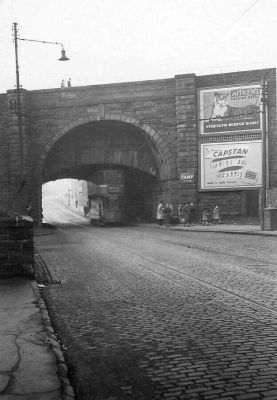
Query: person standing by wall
[[216, 215], [205, 216], [160, 213], [28, 207], [192, 214], [185, 213], [167, 215]]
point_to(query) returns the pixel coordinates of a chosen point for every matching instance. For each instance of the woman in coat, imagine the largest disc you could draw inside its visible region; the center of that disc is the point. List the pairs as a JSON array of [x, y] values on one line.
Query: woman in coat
[[216, 215], [160, 213], [185, 212]]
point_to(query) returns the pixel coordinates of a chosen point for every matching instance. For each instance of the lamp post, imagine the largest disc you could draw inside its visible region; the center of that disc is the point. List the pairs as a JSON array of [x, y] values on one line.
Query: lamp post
[[264, 152], [68, 191], [18, 108]]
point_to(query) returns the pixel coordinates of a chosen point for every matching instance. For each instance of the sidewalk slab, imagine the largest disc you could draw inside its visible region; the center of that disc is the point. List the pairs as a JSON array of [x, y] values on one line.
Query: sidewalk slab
[[220, 228], [228, 228], [28, 366]]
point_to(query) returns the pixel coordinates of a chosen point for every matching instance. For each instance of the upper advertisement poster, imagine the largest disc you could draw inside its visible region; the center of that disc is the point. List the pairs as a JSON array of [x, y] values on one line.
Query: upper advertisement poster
[[230, 109]]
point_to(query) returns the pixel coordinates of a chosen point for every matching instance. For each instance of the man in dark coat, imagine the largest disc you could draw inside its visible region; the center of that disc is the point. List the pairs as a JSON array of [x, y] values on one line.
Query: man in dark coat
[[192, 214], [167, 214]]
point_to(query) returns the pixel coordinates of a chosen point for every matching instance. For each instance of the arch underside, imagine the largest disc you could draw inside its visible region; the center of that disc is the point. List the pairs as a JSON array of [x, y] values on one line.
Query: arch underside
[[94, 143], [99, 145]]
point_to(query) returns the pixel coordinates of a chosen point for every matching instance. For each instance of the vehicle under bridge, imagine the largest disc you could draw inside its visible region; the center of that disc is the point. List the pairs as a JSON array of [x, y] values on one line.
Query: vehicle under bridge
[[104, 153]]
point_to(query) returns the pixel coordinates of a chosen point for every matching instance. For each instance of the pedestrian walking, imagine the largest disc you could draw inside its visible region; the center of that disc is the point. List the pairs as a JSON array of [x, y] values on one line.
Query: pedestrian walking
[[69, 82], [185, 213], [216, 215], [167, 214], [160, 213], [86, 211], [62, 83], [205, 216]]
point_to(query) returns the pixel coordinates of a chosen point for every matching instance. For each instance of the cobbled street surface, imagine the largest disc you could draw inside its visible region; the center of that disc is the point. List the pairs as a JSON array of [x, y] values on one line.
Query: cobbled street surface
[[145, 313]]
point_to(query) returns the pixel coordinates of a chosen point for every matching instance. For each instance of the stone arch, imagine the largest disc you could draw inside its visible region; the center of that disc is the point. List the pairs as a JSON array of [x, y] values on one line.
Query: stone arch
[[157, 144]]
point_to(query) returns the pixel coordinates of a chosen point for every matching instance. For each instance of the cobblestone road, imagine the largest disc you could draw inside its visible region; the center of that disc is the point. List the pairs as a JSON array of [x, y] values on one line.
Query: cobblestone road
[[155, 314]]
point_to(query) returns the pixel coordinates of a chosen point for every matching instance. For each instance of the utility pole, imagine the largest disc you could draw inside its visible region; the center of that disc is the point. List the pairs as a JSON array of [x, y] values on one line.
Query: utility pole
[[18, 103], [264, 151]]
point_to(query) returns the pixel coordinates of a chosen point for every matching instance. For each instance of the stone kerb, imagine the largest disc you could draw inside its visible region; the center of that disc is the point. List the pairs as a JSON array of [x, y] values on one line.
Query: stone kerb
[[162, 153]]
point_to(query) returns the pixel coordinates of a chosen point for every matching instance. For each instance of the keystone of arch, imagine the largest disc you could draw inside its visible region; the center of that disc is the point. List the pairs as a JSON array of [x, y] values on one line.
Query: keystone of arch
[[164, 155]]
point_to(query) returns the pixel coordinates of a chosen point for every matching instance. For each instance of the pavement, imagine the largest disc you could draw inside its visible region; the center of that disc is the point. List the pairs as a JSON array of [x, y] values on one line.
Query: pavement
[[32, 366], [232, 228], [235, 228]]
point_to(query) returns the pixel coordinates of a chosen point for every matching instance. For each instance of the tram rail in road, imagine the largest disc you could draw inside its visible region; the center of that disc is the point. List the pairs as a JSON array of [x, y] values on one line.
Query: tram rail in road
[[201, 281]]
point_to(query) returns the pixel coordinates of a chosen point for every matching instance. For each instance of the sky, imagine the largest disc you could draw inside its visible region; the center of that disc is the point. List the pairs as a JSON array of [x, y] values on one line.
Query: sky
[[111, 41]]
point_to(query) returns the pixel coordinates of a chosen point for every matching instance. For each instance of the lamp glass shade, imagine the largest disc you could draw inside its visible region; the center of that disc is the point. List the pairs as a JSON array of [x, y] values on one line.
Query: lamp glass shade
[[63, 57]]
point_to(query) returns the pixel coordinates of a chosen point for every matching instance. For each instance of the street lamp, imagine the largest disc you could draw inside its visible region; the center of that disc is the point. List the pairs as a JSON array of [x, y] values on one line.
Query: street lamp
[[16, 38], [18, 89], [63, 56]]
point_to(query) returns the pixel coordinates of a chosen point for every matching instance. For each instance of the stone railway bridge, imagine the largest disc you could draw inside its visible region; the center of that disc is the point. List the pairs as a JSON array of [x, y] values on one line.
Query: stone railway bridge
[[148, 128]]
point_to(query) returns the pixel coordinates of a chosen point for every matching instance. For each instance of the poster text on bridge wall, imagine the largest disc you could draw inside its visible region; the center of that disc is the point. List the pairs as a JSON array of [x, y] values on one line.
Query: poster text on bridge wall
[[230, 109], [232, 165]]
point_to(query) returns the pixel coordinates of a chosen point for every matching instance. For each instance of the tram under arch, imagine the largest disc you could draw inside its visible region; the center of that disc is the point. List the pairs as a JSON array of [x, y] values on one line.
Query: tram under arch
[[96, 151]]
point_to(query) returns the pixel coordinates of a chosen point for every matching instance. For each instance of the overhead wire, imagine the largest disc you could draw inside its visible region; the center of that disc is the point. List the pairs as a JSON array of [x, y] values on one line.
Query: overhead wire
[[231, 26], [239, 18], [223, 32]]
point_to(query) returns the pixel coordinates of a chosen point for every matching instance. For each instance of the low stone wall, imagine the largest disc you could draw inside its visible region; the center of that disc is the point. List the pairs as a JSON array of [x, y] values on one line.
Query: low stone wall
[[16, 246]]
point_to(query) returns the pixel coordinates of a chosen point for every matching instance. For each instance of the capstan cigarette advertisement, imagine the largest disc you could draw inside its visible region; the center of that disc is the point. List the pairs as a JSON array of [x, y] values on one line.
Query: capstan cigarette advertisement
[[232, 165]]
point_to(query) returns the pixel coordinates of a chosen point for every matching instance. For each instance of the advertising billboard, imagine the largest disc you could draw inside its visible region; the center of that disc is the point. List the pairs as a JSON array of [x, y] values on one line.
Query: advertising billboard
[[230, 109], [232, 165]]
